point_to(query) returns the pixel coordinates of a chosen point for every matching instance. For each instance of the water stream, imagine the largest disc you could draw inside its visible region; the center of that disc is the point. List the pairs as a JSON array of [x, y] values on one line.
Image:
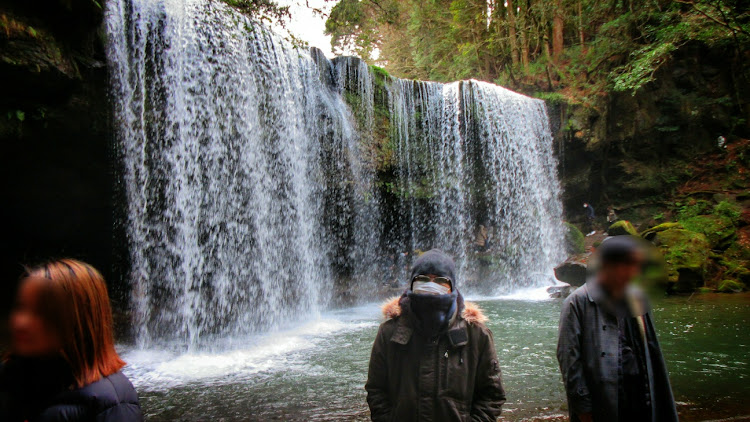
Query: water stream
[[317, 370]]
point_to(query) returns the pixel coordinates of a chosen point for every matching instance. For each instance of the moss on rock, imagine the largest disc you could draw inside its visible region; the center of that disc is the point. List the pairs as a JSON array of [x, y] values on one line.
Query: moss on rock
[[575, 242], [686, 254], [731, 286], [622, 227], [650, 233], [718, 229]]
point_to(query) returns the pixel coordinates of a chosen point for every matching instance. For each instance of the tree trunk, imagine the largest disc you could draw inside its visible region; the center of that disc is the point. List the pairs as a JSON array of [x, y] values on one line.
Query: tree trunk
[[525, 51], [512, 32], [524, 35], [557, 32], [581, 33]]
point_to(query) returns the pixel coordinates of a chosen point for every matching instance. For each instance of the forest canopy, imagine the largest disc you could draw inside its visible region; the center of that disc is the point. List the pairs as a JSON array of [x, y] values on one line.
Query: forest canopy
[[579, 46]]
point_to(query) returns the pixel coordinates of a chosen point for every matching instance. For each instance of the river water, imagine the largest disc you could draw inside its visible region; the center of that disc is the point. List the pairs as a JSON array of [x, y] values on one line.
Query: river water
[[317, 370]]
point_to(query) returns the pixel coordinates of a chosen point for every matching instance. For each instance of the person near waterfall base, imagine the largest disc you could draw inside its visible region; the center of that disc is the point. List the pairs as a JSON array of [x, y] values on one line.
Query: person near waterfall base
[[611, 362], [433, 358], [590, 218], [62, 364]]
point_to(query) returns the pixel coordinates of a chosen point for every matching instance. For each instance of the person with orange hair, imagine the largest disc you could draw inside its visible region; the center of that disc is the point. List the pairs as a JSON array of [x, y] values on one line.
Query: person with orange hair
[[62, 363]]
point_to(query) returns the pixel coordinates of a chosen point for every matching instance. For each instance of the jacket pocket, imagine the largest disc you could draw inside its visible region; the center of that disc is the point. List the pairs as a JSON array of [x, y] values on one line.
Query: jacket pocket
[[454, 375], [456, 410]]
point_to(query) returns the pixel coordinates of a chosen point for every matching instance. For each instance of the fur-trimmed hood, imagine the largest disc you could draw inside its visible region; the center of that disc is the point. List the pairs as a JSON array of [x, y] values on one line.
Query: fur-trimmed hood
[[470, 312]]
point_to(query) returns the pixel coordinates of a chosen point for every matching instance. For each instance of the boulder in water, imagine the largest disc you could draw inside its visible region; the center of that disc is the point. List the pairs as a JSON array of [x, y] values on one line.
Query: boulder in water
[[559, 290], [622, 227], [573, 271]]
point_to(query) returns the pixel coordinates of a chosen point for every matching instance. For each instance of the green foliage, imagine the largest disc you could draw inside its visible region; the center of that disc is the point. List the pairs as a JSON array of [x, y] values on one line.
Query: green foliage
[[693, 208], [262, 10], [381, 75], [606, 46], [640, 70], [729, 210], [551, 97]]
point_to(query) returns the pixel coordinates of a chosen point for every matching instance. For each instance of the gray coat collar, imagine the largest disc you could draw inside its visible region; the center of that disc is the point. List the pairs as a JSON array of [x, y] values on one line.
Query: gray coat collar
[[637, 302]]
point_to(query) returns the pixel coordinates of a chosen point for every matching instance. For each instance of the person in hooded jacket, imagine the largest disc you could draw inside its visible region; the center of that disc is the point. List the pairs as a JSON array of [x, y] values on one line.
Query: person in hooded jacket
[[62, 364], [433, 359]]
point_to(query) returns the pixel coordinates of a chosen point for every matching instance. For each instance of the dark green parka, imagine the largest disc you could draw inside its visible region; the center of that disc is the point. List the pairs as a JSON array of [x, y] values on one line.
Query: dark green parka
[[453, 378]]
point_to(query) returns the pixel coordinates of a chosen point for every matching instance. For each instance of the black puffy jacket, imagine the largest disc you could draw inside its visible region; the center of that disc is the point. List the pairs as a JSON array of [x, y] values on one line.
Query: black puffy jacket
[[111, 399], [37, 397], [453, 378]]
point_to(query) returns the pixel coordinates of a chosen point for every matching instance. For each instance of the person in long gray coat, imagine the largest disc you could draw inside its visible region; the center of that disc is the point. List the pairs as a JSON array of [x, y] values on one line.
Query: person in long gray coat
[[609, 355]]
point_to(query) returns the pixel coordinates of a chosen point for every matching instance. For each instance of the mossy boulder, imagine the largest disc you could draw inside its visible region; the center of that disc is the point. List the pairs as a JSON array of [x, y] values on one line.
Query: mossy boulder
[[575, 242], [718, 229], [686, 254], [622, 227], [731, 286]]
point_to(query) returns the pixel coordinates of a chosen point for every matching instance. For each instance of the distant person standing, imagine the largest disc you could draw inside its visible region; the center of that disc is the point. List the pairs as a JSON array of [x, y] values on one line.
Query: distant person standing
[[433, 358], [611, 215], [590, 218], [609, 355]]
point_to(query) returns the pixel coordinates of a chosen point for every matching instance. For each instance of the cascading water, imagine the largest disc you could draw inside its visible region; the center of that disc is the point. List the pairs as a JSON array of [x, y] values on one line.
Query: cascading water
[[261, 179], [477, 177], [230, 145]]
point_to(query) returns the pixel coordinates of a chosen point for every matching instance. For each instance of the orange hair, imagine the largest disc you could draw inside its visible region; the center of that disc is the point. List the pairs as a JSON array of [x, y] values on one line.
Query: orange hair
[[75, 305]]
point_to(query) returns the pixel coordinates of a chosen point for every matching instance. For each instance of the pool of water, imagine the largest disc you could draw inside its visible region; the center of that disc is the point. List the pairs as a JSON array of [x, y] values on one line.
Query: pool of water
[[317, 370]]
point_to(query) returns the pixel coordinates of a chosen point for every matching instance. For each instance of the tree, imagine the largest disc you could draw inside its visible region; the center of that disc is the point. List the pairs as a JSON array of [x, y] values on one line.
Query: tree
[[558, 24]]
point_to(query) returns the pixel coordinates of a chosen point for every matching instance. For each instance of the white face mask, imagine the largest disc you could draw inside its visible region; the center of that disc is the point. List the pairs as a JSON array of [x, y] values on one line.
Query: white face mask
[[429, 288]]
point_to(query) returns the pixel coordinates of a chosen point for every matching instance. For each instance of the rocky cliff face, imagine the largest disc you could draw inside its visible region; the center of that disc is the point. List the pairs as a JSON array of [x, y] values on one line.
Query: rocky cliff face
[[54, 119], [628, 151]]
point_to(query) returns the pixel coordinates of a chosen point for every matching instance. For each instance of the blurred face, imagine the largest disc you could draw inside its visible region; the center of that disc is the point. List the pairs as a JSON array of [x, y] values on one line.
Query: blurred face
[[615, 277], [30, 335]]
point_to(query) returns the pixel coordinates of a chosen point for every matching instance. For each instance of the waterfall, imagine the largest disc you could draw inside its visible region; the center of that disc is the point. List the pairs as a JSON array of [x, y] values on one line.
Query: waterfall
[[263, 181], [476, 160]]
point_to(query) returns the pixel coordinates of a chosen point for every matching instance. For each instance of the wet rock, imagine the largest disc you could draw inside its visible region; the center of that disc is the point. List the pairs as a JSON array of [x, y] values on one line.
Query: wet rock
[[622, 227], [573, 271], [559, 290]]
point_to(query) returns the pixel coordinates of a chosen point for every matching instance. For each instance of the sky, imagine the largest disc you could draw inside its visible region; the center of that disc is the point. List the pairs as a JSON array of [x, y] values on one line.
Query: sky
[[307, 25]]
